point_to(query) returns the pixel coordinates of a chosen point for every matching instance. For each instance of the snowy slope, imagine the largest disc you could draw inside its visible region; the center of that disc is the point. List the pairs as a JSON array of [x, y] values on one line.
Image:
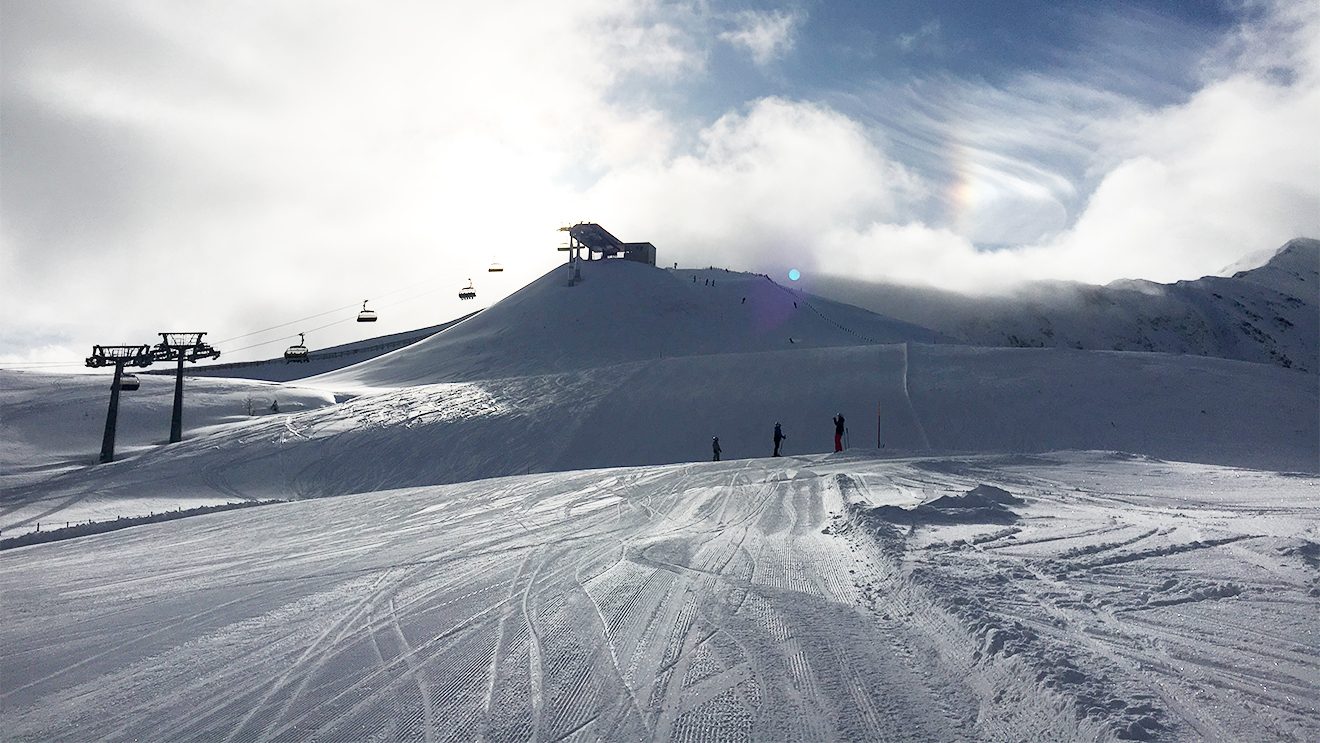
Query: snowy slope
[[930, 398], [52, 423], [1269, 314], [1089, 597], [930, 590], [577, 381], [625, 311]]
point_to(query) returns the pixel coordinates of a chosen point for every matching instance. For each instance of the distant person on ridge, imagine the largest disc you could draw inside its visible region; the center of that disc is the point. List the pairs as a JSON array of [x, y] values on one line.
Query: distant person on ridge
[[715, 447], [779, 437], [838, 432]]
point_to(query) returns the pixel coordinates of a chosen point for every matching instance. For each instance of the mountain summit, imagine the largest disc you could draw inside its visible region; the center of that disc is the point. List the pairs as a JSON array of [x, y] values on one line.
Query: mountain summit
[[624, 311]]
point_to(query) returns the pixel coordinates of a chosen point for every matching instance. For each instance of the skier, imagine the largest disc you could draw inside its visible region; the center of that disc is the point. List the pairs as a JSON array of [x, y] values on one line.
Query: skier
[[779, 436], [838, 432], [275, 406], [715, 447]]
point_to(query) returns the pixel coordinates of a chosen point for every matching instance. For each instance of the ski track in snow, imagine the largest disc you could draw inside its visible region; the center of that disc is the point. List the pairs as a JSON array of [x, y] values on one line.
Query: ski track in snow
[[749, 600]]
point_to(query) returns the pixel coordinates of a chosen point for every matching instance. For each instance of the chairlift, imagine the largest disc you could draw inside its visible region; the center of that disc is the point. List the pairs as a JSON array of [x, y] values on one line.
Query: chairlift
[[298, 353], [495, 268], [467, 292], [366, 315], [128, 382]]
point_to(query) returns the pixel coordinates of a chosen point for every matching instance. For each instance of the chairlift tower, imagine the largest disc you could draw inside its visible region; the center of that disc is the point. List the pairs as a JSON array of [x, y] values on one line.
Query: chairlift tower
[[181, 347], [119, 357]]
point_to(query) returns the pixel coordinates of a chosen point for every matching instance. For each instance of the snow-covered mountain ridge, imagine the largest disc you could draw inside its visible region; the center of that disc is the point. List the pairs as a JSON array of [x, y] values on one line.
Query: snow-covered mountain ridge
[[1268, 314]]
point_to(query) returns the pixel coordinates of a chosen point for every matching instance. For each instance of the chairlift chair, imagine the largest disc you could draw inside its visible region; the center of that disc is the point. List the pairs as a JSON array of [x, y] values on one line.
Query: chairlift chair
[[495, 268], [128, 382], [366, 315], [467, 292], [298, 353]]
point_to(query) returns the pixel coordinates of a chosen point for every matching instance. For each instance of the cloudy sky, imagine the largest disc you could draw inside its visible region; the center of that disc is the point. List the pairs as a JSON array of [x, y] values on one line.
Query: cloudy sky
[[233, 166]]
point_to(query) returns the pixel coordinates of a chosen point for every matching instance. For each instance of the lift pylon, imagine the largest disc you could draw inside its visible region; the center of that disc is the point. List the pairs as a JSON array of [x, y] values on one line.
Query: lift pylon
[[119, 357], [181, 347]]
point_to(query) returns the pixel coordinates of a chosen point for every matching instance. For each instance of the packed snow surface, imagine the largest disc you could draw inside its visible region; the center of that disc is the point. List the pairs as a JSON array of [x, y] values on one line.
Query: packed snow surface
[[1118, 597]]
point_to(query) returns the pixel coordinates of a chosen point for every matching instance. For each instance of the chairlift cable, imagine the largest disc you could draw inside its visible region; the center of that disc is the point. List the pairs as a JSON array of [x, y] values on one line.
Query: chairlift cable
[[78, 363], [319, 314], [286, 324], [322, 327]]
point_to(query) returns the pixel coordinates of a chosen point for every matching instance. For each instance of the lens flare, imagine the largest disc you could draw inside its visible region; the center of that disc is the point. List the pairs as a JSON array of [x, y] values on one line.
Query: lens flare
[[794, 274]]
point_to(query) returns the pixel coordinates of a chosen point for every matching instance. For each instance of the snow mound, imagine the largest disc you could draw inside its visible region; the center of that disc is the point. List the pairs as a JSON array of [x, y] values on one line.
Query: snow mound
[[981, 496], [983, 504]]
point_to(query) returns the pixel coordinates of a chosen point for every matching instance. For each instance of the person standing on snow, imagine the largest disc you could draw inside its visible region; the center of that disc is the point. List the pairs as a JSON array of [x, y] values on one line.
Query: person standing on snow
[[715, 447], [838, 432], [779, 436]]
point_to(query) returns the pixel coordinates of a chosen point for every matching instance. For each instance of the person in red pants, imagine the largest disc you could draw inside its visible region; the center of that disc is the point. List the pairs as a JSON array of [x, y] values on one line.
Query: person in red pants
[[838, 432]]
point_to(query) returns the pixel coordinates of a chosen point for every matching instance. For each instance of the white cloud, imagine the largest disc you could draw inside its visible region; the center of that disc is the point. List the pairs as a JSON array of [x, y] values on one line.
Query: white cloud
[[1072, 182], [1087, 185], [767, 35], [291, 157], [1194, 186], [924, 39], [1010, 159], [762, 186], [1181, 191]]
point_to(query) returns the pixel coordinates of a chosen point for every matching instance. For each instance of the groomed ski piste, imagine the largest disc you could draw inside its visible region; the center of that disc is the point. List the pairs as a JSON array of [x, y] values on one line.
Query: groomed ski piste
[[528, 543]]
